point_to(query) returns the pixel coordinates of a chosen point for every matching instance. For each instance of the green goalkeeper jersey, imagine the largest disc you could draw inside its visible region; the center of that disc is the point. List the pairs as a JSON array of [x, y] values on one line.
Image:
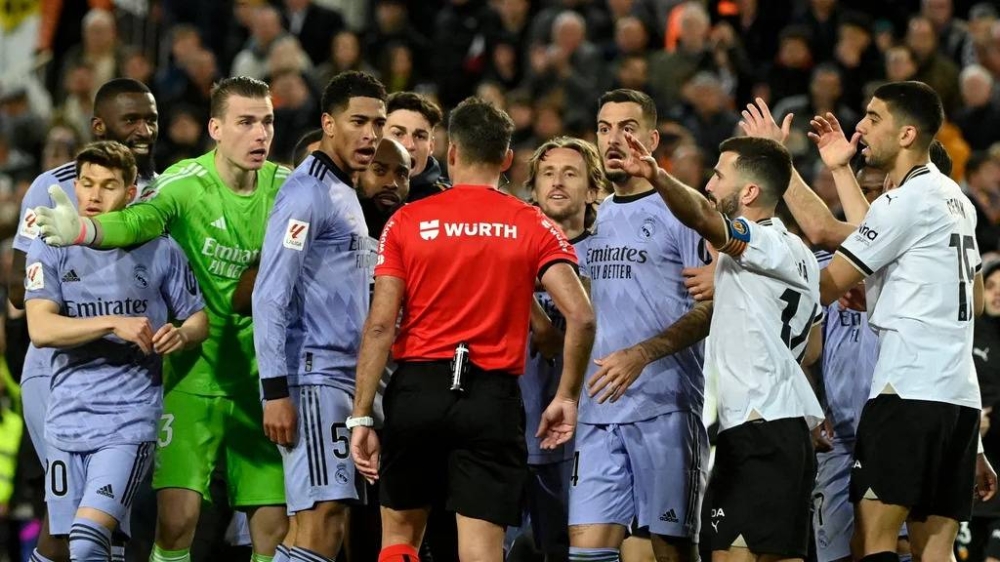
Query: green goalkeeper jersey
[[222, 234]]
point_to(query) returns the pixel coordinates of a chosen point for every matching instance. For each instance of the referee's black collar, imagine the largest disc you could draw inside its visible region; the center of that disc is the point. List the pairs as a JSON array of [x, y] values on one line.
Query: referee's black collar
[[325, 159], [915, 171]]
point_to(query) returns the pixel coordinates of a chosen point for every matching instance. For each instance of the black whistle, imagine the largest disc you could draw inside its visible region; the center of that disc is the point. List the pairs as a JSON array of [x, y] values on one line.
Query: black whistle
[[459, 366]]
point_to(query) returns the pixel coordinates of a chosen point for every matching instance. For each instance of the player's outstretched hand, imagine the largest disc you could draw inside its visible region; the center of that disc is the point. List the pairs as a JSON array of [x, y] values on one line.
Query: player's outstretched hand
[[637, 161], [59, 225], [758, 122], [617, 372], [168, 339], [986, 478], [280, 421], [558, 423], [365, 450], [137, 330], [834, 148]]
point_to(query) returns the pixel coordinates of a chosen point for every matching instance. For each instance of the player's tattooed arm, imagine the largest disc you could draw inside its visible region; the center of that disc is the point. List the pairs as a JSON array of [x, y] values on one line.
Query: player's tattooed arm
[[620, 369]]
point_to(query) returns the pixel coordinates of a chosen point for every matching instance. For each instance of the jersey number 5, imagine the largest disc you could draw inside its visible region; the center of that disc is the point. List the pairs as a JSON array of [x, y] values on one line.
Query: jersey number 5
[[962, 245]]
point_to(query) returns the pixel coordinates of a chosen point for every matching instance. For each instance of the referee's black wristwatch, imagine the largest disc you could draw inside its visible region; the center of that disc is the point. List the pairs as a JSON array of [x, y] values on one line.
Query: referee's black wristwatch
[[362, 421]]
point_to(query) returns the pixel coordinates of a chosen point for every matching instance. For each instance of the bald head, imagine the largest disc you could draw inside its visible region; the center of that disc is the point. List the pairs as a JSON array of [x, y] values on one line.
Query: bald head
[[386, 181]]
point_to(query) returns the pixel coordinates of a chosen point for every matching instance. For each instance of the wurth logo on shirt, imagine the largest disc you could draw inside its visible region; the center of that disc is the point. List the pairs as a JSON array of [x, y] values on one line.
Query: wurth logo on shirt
[[295, 235], [429, 230]]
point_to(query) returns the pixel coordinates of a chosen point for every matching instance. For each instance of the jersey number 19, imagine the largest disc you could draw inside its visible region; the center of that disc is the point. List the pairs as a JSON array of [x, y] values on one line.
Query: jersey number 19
[[962, 245]]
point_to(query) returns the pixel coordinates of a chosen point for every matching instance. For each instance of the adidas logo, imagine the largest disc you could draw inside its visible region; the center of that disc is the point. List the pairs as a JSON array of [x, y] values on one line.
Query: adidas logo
[[70, 277], [106, 491], [219, 223], [669, 517]]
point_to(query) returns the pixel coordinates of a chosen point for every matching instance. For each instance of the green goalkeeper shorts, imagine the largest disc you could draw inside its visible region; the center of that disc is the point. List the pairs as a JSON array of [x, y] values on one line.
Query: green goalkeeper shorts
[[195, 430]]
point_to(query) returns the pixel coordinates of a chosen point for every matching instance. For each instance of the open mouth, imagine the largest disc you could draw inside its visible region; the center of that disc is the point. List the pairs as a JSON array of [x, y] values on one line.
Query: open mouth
[[140, 148], [558, 196], [614, 155], [364, 155], [92, 210], [258, 154]]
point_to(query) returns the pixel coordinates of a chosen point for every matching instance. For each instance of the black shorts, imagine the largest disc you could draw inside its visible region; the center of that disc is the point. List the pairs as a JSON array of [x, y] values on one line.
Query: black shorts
[[761, 487], [467, 447], [918, 454]]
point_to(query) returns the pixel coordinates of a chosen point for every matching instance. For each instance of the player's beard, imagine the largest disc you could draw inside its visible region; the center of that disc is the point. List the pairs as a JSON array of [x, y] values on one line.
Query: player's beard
[[729, 205], [875, 160], [617, 177], [144, 164]]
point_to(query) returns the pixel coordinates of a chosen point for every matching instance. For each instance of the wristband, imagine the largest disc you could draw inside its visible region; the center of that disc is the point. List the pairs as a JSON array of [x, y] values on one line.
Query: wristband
[[362, 421], [88, 232], [275, 389]]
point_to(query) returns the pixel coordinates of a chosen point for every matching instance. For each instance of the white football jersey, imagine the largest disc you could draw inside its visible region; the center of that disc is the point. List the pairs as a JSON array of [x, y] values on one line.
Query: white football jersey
[[766, 302], [917, 246]]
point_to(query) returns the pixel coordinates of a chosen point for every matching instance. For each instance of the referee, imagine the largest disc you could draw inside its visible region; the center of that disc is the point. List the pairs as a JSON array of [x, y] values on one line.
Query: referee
[[464, 262]]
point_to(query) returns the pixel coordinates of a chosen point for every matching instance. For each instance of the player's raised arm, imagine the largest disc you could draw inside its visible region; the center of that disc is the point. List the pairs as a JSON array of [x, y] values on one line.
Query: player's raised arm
[[689, 206], [809, 211]]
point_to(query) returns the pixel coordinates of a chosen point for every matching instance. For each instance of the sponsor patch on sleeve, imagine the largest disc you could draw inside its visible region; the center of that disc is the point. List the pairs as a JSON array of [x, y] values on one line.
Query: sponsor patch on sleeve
[[34, 277], [295, 235], [29, 226]]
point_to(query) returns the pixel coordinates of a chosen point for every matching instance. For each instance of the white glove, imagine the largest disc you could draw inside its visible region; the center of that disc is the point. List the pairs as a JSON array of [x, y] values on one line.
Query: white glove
[[62, 224]]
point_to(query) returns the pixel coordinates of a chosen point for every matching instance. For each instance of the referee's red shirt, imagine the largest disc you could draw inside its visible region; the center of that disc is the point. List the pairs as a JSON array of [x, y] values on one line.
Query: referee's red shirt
[[469, 257]]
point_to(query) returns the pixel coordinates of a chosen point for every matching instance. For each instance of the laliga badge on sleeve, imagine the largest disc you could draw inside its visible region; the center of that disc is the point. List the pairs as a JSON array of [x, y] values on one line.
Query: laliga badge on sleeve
[[34, 277], [295, 235]]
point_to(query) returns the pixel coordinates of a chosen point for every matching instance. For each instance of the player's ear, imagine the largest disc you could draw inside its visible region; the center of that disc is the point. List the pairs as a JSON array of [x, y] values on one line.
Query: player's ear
[[97, 126], [328, 124], [654, 140], [508, 159], [452, 154], [130, 193], [215, 129], [907, 136]]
